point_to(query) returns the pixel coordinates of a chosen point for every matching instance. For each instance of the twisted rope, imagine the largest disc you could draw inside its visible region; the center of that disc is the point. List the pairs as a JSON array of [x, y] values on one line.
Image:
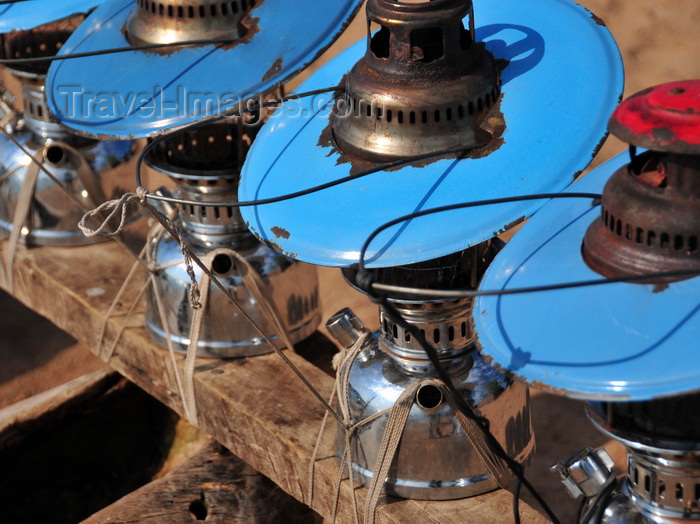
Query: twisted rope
[[119, 208]]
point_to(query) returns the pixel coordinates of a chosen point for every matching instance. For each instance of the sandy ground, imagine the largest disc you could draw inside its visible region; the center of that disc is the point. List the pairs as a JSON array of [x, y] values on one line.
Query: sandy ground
[[658, 41]]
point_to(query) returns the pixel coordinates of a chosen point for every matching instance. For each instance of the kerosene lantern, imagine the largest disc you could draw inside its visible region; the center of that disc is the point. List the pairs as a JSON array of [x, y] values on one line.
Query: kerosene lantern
[[234, 52], [240, 49], [432, 83], [81, 165], [205, 165], [434, 460], [415, 49], [628, 348]]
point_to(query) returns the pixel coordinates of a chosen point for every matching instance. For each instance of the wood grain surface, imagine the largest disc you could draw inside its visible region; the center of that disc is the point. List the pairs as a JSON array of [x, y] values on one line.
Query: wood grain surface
[[255, 407]]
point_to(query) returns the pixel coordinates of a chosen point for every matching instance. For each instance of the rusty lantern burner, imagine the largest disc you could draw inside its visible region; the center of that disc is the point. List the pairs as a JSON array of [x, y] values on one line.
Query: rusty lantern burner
[[649, 218], [168, 21], [205, 164], [423, 86]]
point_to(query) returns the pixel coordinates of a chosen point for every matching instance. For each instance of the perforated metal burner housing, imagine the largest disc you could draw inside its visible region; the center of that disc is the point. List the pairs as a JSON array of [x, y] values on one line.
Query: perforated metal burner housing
[[650, 212], [650, 219], [168, 21], [44, 41], [53, 217], [435, 460], [423, 86], [663, 479], [205, 164], [444, 323]]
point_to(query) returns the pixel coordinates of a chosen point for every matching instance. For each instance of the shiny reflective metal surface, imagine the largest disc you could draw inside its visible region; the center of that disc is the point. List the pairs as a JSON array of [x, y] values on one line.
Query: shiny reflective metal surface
[[660, 426], [166, 21], [424, 84], [444, 324], [435, 460], [346, 327], [620, 509], [662, 484], [54, 216], [665, 487], [37, 116], [205, 164], [586, 473], [292, 285]]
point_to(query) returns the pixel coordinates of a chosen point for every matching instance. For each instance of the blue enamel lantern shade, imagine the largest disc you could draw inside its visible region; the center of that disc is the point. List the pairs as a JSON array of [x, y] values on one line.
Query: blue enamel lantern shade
[[27, 15], [155, 92], [613, 342], [564, 78]]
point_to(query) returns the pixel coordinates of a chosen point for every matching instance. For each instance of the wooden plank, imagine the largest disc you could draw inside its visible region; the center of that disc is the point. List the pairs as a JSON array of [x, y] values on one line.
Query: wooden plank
[[255, 407], [17, 419], [212, 485]]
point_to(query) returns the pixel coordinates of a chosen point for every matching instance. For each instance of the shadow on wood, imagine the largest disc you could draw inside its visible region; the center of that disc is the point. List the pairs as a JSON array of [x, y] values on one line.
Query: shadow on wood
[[214, 486], [66, 464]]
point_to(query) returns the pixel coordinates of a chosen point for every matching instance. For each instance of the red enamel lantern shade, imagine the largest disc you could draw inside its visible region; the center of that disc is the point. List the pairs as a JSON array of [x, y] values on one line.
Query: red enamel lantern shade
[[661, 118]]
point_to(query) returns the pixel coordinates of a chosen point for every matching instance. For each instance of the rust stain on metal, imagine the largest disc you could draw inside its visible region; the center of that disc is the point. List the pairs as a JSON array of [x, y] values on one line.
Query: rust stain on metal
[[279, 232], [660, 288], [270, 244], [596, 150], [491, 132], [492, 128], [634, 233], [600, 144], [350, 17], [509, 225], [252, 25], [598, 20], [663, 134], [276, 247], [276, 69]]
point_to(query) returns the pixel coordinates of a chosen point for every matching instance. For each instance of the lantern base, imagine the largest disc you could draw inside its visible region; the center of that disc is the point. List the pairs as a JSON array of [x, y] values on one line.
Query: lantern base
[[292, 286]]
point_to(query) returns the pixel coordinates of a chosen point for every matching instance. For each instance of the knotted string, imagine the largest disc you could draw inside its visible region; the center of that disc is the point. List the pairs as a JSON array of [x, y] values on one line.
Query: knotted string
[[398, 413], [251, 279], [113, 208], [119, 208]]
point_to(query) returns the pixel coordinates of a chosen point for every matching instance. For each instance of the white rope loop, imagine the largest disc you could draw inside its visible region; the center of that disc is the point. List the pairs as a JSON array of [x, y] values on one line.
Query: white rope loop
[[113, 208]]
